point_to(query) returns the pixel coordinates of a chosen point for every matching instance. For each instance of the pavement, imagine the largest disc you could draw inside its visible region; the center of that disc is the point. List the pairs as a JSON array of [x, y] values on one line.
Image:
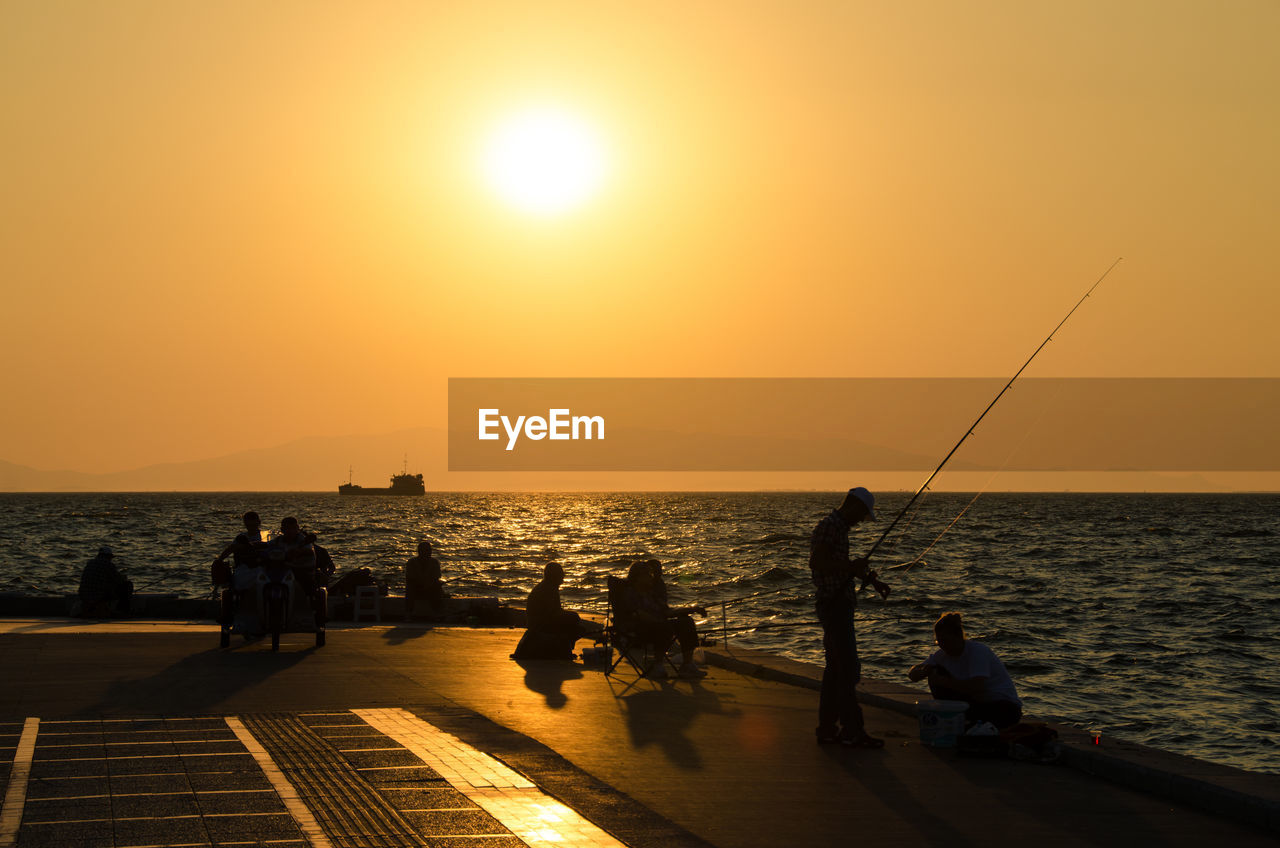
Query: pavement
[[146, 734]]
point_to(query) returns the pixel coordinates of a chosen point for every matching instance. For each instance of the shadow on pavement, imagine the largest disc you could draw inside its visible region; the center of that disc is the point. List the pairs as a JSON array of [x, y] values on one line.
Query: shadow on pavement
[[546, 677], [910, 803], [996, 782], [402, 633], [197, 683], [663, 716]]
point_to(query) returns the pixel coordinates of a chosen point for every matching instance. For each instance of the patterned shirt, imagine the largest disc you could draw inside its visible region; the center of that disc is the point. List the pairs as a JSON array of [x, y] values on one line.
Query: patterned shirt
[[829, 558]]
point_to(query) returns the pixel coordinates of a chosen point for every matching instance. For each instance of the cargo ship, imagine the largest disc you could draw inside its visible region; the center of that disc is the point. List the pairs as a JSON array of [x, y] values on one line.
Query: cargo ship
[[401, 484]]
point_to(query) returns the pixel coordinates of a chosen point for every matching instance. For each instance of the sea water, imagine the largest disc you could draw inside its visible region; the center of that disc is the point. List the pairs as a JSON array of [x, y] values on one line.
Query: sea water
[[1147, 617]]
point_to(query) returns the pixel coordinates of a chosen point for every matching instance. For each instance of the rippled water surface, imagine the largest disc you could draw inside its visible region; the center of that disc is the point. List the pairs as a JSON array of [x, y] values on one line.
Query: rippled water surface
[[1149, 617]]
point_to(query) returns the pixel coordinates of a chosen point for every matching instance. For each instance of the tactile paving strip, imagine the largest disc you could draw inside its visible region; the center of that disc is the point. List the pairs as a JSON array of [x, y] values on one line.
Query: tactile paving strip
[[314, 780], [352, 813], [535, 817]]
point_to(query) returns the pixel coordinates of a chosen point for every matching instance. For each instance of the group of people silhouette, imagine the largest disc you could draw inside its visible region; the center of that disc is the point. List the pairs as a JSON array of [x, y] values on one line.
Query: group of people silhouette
[[960, 670], [297, 550], [641, 609]]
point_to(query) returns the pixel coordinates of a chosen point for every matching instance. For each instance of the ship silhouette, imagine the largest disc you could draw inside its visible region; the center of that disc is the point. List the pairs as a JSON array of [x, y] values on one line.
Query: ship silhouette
[[401, 484]]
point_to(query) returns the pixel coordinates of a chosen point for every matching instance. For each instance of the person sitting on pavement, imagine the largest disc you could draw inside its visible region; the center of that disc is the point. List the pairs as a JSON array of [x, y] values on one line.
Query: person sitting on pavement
[[964, 670], [104, 590], [552, 630], [293, 548], [646, 612], [422, 583]]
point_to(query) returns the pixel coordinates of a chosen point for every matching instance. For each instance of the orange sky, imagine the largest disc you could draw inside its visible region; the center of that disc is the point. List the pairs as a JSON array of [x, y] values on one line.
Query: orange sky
[[230, 225]]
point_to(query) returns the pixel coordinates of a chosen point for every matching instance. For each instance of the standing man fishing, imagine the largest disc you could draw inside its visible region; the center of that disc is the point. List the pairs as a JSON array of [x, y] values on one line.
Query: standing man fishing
[[834, 575]]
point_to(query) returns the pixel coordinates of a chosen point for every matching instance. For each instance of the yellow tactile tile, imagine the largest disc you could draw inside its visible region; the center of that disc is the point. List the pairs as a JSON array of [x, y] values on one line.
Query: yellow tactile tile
[[16, 795], [532, 815]]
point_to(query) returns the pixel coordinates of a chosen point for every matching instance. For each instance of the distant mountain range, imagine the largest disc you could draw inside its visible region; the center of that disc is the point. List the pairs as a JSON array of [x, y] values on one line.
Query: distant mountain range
[[308, 464], [320, 464]]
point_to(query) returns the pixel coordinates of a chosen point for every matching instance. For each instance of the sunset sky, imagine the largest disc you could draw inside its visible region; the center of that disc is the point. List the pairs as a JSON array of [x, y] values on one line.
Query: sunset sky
[[230, 225]]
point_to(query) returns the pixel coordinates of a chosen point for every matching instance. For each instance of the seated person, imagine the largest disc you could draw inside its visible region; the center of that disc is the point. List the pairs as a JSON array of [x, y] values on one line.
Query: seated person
[[325, 566], [964, 670], [422, 582], [104, 591], [247, 551], [645, 611], [552, 629], [293, 548]]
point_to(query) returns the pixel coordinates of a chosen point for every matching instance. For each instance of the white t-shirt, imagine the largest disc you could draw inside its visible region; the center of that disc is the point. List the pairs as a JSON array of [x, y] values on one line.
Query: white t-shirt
[[977, 660]]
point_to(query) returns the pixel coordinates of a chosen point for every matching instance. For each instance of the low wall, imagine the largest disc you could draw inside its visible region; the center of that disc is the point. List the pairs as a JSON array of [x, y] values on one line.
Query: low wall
[[487, 611], [1225, 791]]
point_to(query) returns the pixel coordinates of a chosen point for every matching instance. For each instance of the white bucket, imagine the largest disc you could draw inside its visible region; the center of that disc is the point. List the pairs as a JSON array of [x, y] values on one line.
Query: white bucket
[[941, 722]]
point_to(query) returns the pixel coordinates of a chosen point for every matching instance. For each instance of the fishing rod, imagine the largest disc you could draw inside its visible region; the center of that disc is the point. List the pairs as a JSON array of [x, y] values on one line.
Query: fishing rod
[[920, 556], [975, 424]]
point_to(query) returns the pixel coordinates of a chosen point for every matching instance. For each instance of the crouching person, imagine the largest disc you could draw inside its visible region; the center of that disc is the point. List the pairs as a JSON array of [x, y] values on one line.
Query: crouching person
[[964, 670], [553, 630]]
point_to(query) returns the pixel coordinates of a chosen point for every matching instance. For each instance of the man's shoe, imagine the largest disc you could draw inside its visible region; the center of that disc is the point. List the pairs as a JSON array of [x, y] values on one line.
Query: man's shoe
[[827, 737], [861, 740]]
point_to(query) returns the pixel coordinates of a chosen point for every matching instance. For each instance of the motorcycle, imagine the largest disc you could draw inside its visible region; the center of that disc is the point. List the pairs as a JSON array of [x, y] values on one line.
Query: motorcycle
[[273, 597]]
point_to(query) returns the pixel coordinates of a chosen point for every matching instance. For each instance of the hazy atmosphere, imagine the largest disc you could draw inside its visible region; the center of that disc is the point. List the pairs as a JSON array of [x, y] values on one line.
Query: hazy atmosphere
[[230, 227]]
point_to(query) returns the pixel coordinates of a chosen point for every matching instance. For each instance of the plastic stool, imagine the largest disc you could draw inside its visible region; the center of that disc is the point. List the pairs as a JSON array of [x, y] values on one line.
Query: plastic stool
[[374, 607]]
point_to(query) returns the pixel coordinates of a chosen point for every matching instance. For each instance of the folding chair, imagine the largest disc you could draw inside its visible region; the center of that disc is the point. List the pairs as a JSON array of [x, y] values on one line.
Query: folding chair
[[619, 635]]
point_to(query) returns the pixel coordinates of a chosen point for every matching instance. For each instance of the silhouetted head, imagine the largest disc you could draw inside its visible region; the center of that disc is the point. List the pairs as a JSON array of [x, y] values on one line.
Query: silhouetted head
[[655, 568], [859, 505], [105, 552], [640, 573], [554, 572], [948, 632], [252, 521], [424, 549], [289, 527]]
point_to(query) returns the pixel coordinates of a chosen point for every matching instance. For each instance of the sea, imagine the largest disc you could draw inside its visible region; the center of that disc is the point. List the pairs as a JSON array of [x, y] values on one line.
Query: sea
[[1148, 617]]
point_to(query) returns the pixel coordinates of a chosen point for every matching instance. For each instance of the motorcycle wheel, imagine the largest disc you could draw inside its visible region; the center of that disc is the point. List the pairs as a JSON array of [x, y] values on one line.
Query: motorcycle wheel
[[227, 612], [321, 606]]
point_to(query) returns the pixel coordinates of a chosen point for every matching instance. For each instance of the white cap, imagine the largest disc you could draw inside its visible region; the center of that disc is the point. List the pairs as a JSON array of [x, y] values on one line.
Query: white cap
[[868, 500]]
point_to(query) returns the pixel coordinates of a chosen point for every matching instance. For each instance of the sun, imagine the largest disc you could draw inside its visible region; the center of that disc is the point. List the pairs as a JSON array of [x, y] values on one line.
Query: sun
[[544, 161]]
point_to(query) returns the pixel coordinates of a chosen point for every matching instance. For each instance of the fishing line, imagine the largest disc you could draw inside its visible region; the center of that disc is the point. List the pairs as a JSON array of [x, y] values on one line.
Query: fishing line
[[738, 629], [762, 593], [978, 421], [1044, 408], [906, 528]]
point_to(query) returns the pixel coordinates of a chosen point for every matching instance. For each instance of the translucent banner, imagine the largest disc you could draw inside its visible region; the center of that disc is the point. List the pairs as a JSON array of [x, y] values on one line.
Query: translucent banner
[[706, 424]]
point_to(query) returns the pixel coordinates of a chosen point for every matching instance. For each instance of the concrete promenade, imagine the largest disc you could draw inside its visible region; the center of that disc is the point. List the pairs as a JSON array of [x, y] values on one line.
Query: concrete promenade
[[148, 734]]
